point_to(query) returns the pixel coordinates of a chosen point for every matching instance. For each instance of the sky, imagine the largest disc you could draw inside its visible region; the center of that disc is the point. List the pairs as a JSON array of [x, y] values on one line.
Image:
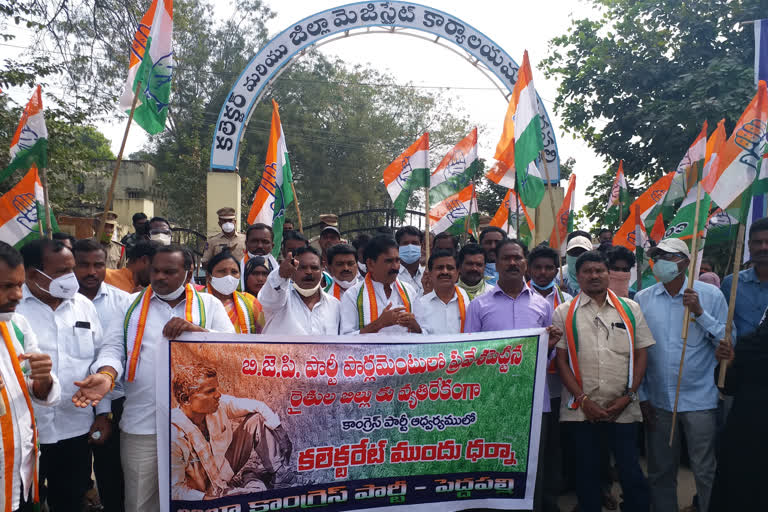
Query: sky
[[515, 25]]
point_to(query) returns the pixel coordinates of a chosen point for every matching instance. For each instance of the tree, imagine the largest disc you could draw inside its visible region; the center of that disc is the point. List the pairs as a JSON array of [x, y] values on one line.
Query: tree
[[638, 82]]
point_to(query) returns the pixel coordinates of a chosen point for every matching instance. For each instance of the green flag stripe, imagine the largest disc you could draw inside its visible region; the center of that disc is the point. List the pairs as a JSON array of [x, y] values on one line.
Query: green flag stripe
[[528, 145], [453, 185], [37, 154]]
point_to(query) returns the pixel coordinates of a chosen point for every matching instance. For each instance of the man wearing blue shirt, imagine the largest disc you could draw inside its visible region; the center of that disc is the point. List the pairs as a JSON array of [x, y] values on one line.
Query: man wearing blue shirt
[[663, 306], [752, 293]]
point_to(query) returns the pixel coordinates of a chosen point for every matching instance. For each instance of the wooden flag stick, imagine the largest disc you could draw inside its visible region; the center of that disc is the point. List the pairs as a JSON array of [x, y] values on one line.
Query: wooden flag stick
[[687, 312], [46, 203], [111, 192], [298, 211], [554, 213], [427, 220], [732, 301]]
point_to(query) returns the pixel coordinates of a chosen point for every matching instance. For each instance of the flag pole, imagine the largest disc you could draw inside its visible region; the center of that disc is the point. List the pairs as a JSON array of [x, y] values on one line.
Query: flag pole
[[687, 312], [554, 212], [427, 236], [732, 301], [46, 203], [517, 210], [111, 191], [298, 211], [469, 215]]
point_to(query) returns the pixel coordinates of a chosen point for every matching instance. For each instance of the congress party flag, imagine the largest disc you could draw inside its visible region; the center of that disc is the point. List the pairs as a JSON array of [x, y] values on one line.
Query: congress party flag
[[687, 174], [29, 145], [521, 141], [407, 173], [506, 218], [648, 207], [564, 220], [275, 192], [450, 215], [761, 50], [21, 210], [456, 169], [151, 62], [618, 199], [737, 163]]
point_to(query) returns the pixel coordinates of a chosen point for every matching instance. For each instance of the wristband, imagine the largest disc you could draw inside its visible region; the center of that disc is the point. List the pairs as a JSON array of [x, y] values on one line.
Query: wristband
[[111, 378], [580, 399]]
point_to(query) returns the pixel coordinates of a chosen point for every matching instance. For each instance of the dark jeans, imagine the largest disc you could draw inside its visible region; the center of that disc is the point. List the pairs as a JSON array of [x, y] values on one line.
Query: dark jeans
[[107, 466], [66, 466], [585, 438]]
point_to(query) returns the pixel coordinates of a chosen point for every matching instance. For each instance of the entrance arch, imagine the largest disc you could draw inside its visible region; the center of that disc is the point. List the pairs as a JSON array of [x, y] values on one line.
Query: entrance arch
[[357, 19]]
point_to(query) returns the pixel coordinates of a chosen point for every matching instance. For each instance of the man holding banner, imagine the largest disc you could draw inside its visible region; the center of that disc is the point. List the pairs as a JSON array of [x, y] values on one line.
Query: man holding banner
[[602, 360]]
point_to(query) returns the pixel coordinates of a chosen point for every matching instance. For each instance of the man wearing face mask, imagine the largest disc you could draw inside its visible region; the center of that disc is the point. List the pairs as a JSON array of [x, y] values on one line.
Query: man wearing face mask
[[490, 237], [471, 271], [620, 264], [409, 240], [663, 306], [381, 300], [342, 264], [359, 244], [67, 326], [229, 238], [578, 244], [293, 299], [26, 378], [115, 250], [160, 230], [162, 308]]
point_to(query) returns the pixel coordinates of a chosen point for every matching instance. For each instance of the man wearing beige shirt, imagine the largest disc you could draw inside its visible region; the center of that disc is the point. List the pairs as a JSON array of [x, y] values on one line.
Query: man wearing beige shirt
[[602, 360]]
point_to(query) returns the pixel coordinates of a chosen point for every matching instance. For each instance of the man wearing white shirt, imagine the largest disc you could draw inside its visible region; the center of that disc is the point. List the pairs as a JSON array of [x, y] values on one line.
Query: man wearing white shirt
[[69, 331], [166, 318], [293, 299], [342, 265], [444, 309], [386, 305], [104, 436], [409, 240], [36, 382]]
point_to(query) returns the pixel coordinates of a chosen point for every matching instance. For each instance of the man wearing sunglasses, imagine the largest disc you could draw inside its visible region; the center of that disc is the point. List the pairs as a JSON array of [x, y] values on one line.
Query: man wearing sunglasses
[[663, 306]]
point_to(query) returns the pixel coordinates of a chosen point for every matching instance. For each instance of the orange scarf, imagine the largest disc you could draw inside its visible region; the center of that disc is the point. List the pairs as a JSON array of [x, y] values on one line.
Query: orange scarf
[[462, 308]]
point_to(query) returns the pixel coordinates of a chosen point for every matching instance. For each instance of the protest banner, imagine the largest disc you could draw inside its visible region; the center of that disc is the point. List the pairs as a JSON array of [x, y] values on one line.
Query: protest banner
[[265, 423]]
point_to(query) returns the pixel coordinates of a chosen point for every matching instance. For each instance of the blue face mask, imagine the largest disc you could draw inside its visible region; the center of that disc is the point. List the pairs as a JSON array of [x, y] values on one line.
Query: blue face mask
[[410, 253], [490, 268], [547, 287], [665, 271]]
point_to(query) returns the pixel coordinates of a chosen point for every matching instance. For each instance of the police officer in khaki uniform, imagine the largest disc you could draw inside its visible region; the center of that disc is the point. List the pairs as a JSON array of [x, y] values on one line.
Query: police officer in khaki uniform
[[228, 238], [115, 250]]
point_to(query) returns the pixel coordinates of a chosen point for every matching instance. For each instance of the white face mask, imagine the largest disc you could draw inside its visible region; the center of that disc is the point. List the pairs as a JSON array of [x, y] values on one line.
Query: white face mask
[[362, 267], [344, 284], [63, 287], [225, 285], [176, 293], [163, 238], [6, 317], [306, 292], [228, 227]]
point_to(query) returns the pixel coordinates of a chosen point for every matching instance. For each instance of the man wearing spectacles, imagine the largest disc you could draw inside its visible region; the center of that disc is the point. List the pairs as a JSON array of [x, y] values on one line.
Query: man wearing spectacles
[[663, 305]]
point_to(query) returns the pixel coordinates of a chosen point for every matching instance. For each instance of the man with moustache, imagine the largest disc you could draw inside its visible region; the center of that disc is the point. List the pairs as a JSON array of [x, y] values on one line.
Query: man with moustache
[[602, 361], [134, 277], [38, 385], [293, 299], [511, 304], [443, 310], [259, 241], [342, 265], [381, 300], [104, 436], [490, 237], [169, 306], [471, 268]]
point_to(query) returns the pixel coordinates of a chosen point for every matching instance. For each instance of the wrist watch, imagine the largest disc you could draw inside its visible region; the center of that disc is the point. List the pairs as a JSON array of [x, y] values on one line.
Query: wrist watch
[[632, 395]]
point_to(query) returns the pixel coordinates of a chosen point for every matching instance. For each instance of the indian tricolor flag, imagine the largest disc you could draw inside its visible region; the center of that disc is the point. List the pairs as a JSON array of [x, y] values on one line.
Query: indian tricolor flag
[[29, 145], [21, 210], [618, 200], [521, 141], [407, 173], [450, 215], [564, 220], [456, 169], [736, 166], [506, 218], [648, 207], [151, 62], [275, 192]]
